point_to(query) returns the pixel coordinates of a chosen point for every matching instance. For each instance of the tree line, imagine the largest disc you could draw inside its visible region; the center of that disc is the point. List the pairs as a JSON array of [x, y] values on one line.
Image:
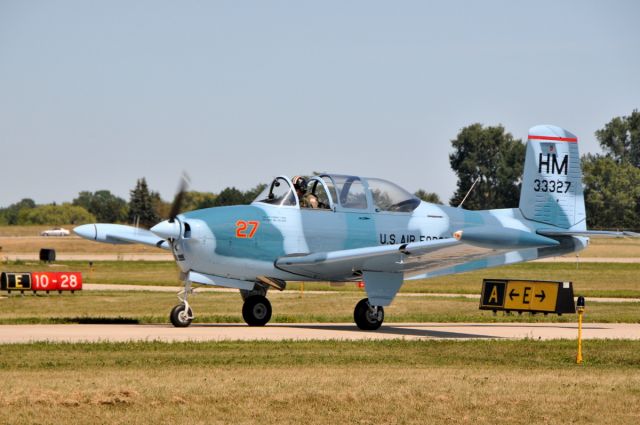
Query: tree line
[[145, 207], [488, 154], [611, 178]]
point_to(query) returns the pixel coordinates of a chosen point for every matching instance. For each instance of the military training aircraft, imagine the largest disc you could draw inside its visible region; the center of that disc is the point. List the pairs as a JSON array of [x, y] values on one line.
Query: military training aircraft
[[333, 227]]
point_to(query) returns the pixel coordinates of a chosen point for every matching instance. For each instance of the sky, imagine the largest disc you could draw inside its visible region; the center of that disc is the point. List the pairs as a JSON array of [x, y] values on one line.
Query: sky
[[94, 95]]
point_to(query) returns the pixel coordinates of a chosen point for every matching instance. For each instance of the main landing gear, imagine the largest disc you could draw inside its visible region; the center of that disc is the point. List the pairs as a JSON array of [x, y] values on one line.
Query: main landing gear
[[367, 316], [256, 310]]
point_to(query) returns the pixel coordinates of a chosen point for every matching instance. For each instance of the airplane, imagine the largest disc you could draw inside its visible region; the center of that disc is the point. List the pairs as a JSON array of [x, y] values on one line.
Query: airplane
[[366, 229]]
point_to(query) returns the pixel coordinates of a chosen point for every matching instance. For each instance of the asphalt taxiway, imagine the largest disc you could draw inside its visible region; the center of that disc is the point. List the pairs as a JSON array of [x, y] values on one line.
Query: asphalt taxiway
[[311, 331]]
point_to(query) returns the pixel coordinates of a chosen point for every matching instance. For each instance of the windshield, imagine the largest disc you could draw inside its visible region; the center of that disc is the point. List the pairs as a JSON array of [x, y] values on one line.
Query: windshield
[[351, 192], [278, 193], [390, 197]]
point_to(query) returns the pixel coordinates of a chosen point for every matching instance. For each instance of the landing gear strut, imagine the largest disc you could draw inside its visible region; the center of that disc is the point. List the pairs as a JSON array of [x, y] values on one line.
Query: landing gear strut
[[182, 315], [368, 317]]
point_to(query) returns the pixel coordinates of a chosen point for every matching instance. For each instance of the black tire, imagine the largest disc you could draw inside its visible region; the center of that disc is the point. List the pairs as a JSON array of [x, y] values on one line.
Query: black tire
[[256, 310], [365, 319], [179, 317]]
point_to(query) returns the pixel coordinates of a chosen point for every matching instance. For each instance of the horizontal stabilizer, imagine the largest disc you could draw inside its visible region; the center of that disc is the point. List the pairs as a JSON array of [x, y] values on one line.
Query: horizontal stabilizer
[[501, 238], [589, 233]]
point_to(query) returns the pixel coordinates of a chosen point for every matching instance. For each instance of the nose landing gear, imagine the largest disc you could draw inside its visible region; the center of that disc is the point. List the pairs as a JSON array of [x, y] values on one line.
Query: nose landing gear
[[182, 315]]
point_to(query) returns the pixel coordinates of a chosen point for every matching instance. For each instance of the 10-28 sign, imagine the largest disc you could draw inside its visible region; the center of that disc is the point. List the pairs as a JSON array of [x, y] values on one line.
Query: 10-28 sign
[[41, 281]]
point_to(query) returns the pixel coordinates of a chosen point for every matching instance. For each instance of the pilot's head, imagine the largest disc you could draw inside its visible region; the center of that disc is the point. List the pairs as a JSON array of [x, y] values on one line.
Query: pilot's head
[[299, 183]]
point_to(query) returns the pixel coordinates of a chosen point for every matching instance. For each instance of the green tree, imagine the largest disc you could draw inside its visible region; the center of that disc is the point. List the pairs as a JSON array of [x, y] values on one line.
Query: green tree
[[142, 205], [161, 207], [11, 213], [612, 193], [253, 193], [229, 196], [55, 215], [106, 207], [620, 138], [194, 200], [428, 196], [493, 156]]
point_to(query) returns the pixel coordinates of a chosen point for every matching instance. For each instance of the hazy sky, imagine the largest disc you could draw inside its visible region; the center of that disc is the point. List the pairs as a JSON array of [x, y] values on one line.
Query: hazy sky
[[94, 95]]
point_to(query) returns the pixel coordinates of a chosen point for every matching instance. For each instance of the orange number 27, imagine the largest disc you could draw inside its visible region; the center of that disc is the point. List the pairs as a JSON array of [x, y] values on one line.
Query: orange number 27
[[242, 226]]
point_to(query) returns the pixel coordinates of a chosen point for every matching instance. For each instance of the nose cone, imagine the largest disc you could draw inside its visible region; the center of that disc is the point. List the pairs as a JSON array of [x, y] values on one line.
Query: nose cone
[[87, 231], [167, 230]]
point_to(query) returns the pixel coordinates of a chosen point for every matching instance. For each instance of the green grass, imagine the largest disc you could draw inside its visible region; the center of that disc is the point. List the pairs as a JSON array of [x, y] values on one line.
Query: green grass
[[557, 354], [412, 382], [590, 279], [162, 273], [219, 307]]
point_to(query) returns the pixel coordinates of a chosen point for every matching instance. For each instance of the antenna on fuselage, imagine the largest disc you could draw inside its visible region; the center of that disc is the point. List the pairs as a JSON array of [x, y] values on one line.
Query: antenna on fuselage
[[469, 192]]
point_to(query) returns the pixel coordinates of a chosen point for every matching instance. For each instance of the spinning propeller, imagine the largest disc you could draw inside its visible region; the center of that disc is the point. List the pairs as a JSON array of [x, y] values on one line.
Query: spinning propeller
[[171, 229]]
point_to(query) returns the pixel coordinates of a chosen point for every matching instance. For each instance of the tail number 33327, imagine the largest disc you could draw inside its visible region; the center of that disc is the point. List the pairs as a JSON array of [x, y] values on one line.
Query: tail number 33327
[[246, 229]]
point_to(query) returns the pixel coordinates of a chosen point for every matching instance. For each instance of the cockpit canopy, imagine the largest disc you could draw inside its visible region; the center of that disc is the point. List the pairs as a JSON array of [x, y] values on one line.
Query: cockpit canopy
[[340, 192]]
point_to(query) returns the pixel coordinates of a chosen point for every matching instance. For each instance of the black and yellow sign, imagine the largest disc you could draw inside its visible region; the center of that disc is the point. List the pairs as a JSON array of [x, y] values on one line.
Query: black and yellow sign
[[527, 295], [15, 281]]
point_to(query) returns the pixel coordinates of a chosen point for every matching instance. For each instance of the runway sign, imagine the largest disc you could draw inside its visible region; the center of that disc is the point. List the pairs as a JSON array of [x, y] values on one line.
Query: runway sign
[[41, 281], [532, 296]]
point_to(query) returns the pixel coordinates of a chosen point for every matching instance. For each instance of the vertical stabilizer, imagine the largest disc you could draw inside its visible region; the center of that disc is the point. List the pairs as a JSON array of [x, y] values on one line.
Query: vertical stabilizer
[[552, 183]]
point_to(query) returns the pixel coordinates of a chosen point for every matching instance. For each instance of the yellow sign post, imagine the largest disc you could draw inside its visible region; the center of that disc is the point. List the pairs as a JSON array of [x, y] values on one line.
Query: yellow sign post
[[580, 308]]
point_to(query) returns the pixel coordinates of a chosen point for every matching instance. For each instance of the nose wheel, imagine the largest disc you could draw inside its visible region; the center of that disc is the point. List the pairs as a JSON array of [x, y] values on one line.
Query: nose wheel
[[256, 310], [182, 315], [368, 317]]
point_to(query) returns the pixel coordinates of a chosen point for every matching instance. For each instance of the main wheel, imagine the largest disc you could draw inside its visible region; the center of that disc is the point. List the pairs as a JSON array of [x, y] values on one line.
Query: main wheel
[[256, 310], [180, 317], [367, 318]]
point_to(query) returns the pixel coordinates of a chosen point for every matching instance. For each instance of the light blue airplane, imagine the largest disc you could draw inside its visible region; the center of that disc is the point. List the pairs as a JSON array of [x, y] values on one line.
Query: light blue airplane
[[347, 228]]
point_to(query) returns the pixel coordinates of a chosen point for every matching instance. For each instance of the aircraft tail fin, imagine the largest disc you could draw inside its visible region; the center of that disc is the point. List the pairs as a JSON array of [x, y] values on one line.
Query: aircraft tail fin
[[552, 183]]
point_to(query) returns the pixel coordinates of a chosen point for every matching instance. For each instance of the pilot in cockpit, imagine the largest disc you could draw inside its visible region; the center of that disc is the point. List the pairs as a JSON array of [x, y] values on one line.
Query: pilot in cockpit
[[307, 200]]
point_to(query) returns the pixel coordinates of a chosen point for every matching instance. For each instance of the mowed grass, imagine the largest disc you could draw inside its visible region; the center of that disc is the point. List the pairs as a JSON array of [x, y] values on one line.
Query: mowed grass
[[334, 382], [589, 279], [162, 273], [290, 307], [336, 305]]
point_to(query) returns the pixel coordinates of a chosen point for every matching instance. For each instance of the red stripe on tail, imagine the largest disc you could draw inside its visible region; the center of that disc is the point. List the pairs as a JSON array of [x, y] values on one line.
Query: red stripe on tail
[[557, 139]]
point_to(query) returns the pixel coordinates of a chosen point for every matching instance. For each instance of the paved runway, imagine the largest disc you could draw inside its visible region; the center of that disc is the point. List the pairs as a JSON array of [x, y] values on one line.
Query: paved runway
[[315, 331]]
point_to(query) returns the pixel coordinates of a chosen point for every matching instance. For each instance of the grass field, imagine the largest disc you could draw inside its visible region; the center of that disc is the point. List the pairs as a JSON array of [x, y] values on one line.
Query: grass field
[[335, 382], [590, 279], [394, 382], [154, 307]]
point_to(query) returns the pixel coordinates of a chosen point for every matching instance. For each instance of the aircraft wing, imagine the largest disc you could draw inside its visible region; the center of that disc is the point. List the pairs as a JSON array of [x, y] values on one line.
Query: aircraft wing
[[409, 259], [120, 234], [468, 245]]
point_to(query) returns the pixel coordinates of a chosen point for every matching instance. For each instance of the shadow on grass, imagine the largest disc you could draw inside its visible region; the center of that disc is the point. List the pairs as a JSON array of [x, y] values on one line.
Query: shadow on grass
[[96, 320]]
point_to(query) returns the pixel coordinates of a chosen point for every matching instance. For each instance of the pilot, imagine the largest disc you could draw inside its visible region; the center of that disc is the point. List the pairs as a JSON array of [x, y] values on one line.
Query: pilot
[[307, 200]]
